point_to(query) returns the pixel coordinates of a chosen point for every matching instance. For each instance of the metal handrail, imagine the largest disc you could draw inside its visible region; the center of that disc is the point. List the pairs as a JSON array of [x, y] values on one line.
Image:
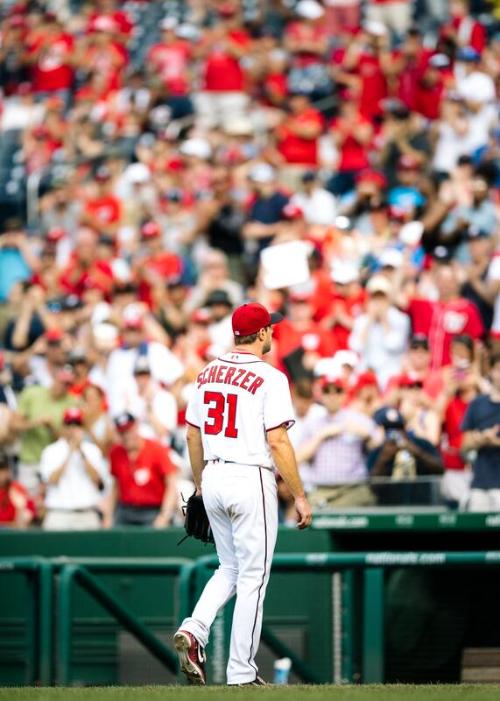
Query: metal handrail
[[79, 569], [373, 565]]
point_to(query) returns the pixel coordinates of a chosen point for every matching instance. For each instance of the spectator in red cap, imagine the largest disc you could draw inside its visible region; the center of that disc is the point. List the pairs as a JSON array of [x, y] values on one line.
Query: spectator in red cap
[[156, 265], [16, 508], [423, 420], [165, 366], [334, 444], [145, 491], [75, 476], [38, 419]]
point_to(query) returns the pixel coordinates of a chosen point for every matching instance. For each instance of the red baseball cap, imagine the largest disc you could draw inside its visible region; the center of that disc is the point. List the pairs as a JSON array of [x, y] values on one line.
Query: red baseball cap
[[332, 380], [124, 421], [73, 416], [250, 318], [54, 335], [150, 230]]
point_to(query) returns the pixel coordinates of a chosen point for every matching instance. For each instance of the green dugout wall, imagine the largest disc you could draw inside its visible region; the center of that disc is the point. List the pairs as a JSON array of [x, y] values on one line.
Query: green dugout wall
[[430, 616]]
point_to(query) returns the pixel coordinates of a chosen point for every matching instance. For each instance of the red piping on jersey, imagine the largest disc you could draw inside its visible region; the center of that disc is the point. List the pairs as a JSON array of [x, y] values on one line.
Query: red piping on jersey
[[193, 425]]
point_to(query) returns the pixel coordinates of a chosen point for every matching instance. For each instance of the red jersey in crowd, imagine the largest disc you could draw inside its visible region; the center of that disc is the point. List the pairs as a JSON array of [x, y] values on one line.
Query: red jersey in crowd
[[172, 62], [441, 321], [353, 154], [52, 70], [452, 435], [10, 495], [295, 148], [223, 71], [313, 338], [161, 266], [141, 482], [468, 31], [106, 209], [76, 279]]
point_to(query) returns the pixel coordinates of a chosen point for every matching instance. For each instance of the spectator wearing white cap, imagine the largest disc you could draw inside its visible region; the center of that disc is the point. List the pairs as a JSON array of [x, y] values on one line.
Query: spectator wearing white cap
[[478, 91], [75, 476], [347, 303], [380, 335], [317, 204]]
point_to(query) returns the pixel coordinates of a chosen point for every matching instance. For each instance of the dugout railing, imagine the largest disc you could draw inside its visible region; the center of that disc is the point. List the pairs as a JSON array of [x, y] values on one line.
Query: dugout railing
[[356, 628]]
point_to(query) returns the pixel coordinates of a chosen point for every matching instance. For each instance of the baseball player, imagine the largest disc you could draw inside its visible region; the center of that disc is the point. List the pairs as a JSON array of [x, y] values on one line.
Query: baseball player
[[237, 420]]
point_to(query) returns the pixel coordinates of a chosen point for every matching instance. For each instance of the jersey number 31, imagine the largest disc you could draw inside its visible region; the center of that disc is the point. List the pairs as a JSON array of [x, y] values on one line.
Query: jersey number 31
[[216, 410]]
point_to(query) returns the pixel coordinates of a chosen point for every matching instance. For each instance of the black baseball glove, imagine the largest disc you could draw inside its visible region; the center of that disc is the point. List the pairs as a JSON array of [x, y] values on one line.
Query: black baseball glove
[[196, 521]]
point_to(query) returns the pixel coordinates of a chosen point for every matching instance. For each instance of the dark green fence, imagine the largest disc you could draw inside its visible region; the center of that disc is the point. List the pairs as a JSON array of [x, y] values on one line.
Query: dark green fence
[[354, 633]]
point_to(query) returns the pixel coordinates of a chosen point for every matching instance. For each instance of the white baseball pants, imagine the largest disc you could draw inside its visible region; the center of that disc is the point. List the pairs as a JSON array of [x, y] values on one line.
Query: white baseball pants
[[241, 503]]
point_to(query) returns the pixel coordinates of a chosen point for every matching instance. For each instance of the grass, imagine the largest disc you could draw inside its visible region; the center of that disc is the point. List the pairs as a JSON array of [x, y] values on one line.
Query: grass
[[462, 692]]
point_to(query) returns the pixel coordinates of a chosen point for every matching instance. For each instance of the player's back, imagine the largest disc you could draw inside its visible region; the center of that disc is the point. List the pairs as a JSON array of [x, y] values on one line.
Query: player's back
[[238, 397]]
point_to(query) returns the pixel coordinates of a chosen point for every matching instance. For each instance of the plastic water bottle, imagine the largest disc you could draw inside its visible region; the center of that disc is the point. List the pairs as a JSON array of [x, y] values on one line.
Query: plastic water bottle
[[282, 670]]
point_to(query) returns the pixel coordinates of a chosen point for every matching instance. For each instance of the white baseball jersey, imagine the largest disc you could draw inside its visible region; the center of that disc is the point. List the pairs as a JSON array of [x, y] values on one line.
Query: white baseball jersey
[[237, 399]]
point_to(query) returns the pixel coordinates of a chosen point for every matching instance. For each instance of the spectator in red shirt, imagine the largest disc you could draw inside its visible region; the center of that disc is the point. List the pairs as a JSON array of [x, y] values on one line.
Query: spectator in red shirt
[[450, 315], [145, 490], [16, 508], [408, 63], [85, 269], [157, 265], [297, 136], [169, 59], [99, 52], [103, 211], [463, 29], [431, 86], [50, 53], [363, 68], [223, 96], [352, 134], [457, 477], [301, 335]]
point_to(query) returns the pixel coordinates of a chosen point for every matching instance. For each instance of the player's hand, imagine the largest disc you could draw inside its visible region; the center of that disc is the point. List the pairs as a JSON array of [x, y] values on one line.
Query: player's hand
[[304, 512]]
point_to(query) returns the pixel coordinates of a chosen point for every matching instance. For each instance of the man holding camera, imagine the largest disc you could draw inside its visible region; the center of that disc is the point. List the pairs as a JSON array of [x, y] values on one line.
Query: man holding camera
[[403, 457]]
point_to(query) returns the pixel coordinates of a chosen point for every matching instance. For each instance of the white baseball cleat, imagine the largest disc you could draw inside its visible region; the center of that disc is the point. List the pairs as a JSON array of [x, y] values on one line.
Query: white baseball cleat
[[191, 657]]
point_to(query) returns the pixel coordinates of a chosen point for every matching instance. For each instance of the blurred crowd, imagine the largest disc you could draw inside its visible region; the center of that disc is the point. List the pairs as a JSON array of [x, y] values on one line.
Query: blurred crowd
[[162, 162]]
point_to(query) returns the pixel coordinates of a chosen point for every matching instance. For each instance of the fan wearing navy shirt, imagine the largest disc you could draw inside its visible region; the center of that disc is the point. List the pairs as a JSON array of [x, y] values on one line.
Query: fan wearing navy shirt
[[481, 425]]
